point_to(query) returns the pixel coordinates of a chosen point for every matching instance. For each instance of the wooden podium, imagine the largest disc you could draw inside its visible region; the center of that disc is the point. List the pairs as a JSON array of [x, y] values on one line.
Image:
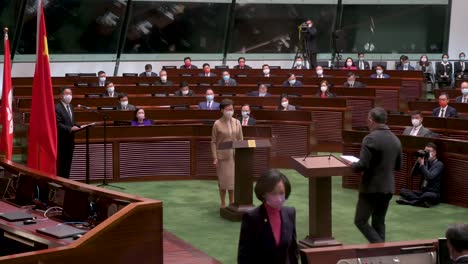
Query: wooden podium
[[244, 163], [319, 169]]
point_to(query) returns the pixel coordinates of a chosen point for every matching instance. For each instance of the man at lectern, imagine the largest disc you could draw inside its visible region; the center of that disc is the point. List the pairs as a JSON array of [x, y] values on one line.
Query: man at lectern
[[380, 156], [225, 129]]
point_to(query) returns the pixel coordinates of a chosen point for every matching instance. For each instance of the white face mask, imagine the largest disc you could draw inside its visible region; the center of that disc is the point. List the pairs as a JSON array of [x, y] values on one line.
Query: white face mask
[[351, 82], [298, 63], [415, 122], [110, 89], [185, 92], [245, 114], [284, 104], [323, 89], [67, 98], [292, 82], [379, 72], [141, 116], [163, 78], [319, 72], [228, 114], [423, 59], [148, 74], [464, 91], [124, 103], [349, 64], [102, 79], [266, 71]]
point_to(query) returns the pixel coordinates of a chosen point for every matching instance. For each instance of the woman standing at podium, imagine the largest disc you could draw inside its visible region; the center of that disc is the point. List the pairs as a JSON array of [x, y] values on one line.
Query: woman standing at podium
[[225, 129]]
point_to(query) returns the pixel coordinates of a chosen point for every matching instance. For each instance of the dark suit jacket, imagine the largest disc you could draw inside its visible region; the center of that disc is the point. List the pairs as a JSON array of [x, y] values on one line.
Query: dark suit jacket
[[143, 74], [356, 85], [329, 94], [324, 76], [459, 67], [423, 132], [159, 83], [400, 68], [451, 112], [202, 74], [231, 82], [105, 94], [65, 137], [441, 69], [462, 260], [179, 93], [256, 93], [311, 37], [366, 65], [250, 122], [245, 67], [257, 243], [97, 84], [204, 106], [191, 67], [302, 67], [431, 173], [380, 157], [296, 84], [459, 99], [129, 107], [385, 76]]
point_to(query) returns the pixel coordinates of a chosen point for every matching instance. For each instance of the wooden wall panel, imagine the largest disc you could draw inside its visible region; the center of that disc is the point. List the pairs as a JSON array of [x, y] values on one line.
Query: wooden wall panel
[[329, 125], [453, 185], [96, 160], [204, 159], [290, 140], [389, 99], [359, 110]]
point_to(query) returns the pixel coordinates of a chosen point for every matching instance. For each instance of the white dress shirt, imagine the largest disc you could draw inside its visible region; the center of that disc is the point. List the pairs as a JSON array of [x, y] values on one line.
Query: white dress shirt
[[444, 111], [415, 130]]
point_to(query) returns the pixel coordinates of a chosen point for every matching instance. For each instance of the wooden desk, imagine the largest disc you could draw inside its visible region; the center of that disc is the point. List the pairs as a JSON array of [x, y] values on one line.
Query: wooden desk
[[427, 106], [453, 153], [132, 234], [452, 93]]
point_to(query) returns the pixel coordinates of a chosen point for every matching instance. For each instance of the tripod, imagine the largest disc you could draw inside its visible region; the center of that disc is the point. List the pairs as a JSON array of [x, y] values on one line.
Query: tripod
[[302, 51], [104, 181]]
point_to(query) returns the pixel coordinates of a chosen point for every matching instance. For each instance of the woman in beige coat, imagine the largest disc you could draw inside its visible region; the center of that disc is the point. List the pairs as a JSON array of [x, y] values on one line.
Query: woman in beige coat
[[225, 129]]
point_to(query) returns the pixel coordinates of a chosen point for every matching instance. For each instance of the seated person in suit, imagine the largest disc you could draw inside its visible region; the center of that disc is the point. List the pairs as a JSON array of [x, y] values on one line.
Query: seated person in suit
[[291, 81], [457, 243], [227, 80], [284, 104], [262, 91], [101, 79], [444, 110], [123, 103], [245, 119], [351, 81], [163, 81], [207, 71], [349, 65], [299, 64], [266, 71], [140, 119], [425, 66], [461, 67], [184, 90], [405, 64], [444, 72], [399, 63], [464, 90], [268, 232], [325, 90], [319, 72], [362, 64], [431, 170], [209, 104], [110, 90], [148, 72], [188, 64], [241, 64], [379, 73], [417, 128]]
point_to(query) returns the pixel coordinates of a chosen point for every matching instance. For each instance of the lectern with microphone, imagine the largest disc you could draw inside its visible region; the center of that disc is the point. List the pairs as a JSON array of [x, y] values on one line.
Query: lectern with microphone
[[244, 164], [319, 170]]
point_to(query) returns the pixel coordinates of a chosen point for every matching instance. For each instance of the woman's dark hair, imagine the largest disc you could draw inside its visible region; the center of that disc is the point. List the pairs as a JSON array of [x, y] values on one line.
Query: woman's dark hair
[[225, 103], [352, 61], [326, 82], [136, 112], [426, 63], [281, 99], [268, 181]]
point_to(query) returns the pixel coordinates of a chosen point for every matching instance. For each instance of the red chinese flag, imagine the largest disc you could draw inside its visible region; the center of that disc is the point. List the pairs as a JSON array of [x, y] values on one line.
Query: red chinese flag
[[6, 110], [42, 145]]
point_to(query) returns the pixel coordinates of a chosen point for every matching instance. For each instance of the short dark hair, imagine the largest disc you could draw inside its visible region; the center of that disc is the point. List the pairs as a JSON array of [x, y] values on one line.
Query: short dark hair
[[404, 57], [101, 72], [446, 95], [122, 95], [183, 84], [378, 65], [241, 58], [360, 53], [225, 103], [432, 146], [445, 54], [187, 58], [378, 115], [416, 112], [350, 74], [148, 67], [108, 82], [265, 65], [461, 53], [245, 105], [268, 181], [136, 112], [205, 64], [62, 89], [457, 236], [291, 74]]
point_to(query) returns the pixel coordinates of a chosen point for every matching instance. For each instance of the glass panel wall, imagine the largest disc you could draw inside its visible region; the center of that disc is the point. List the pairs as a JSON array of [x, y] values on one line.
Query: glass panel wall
[[9, 11]]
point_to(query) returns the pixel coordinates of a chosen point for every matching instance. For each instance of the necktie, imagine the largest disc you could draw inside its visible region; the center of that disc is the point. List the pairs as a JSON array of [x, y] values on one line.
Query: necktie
[[351, 85], [465, 100], [69, 112], [361, 65], [413, 132], [244, 122], [442, 113], [209, 105]]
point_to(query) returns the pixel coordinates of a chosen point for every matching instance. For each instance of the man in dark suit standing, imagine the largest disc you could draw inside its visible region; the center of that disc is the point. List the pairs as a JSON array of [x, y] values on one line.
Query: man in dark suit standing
[[457, 243], [241, 64], [148, 72], [444, 110], [461, 67], [417, 129], [245, 119], [464, 97], [380, 156], [351, 82], [291, 81], [66, 127], [362, 64], [188, 64], [311, 43]]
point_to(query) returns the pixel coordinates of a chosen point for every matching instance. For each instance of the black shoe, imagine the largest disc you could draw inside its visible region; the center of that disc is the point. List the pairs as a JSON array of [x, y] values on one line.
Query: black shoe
[[423, 204], [403, 201]]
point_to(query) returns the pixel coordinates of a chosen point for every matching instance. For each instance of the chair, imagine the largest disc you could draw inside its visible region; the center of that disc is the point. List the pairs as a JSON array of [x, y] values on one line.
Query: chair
[[381, 63]]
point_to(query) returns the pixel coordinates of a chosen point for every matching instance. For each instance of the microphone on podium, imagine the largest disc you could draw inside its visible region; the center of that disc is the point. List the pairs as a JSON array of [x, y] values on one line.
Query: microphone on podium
[[83, 107]]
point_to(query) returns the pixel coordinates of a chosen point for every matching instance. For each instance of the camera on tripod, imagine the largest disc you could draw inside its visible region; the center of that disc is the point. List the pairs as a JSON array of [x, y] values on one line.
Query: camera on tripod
[[304, 27], [422, 154]]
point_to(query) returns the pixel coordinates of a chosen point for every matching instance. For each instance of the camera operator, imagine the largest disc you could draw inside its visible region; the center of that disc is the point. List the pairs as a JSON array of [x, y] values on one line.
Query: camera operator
[[431, 170], [309, 32]]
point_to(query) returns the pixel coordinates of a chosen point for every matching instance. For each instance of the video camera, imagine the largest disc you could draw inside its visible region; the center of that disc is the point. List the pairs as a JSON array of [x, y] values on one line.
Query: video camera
[[304, 27], [422, 154]]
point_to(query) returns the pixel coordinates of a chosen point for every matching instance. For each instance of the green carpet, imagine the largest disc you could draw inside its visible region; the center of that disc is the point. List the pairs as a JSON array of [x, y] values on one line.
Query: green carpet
[[191, 211]]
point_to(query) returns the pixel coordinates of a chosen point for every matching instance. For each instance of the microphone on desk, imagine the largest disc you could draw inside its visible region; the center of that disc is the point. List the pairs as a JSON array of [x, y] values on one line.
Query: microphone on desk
[[83, 107]]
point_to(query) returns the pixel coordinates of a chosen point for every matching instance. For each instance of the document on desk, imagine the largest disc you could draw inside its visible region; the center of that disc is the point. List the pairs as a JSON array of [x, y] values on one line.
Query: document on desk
[[350, 158]]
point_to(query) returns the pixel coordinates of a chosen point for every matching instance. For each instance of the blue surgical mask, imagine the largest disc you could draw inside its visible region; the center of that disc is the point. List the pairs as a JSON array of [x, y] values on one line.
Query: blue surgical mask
[[210, 97], [226, 77], [462, 58], [444, 59]]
